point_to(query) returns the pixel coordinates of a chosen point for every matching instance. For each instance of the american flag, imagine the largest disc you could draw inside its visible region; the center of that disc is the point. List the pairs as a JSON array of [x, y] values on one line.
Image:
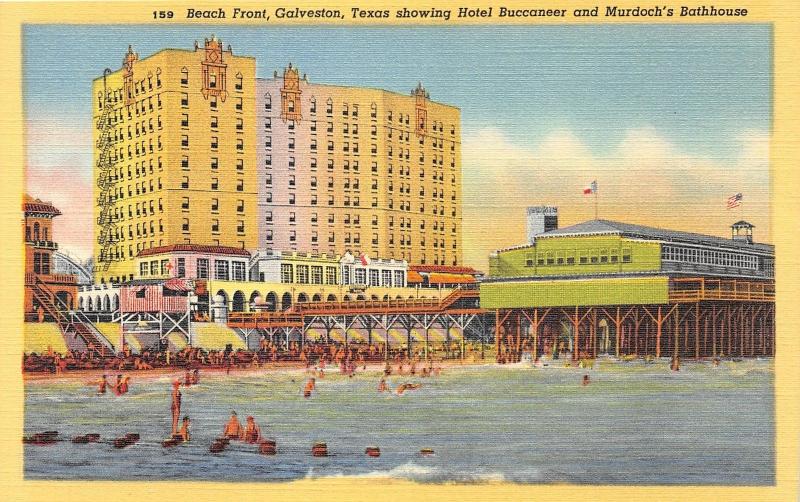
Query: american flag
[[734, 200]]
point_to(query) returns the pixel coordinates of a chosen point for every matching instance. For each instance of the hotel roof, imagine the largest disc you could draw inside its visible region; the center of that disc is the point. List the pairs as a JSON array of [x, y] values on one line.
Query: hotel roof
[[194, 248], [608, 227], [31, 205]]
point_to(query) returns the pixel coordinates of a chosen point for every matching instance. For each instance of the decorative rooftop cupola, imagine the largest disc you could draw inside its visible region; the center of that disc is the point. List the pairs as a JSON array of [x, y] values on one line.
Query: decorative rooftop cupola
[[214, 69], [421, 104], [290, 95], [127, 75], [742, 231]]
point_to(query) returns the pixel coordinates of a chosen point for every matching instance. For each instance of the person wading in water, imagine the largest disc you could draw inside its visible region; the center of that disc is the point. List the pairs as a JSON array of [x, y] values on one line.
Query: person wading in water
[[176, 405]]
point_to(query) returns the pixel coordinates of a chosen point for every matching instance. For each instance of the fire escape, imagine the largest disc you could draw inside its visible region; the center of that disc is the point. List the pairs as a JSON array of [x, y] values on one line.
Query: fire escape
[[105, 180]]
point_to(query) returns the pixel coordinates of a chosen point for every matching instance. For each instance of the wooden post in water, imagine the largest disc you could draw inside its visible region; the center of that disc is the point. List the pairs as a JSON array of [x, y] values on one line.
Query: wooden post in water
[[659, 320], [697, 330]]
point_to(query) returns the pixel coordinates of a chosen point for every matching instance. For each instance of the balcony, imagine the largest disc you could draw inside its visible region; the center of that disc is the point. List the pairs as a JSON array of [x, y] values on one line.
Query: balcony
[[43, 244]]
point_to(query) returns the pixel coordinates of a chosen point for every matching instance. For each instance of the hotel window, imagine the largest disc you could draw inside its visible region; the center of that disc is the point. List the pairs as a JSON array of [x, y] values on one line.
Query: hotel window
[[240, 185], [292, 217], [215, 226], [386, 278], [626, 255], [313, 182], [314, 144], [291, 162], [268, 161], [184, 99], [604, 256], [330, 275], [594, 256], [239, 124], [302, 274], [214, 122], [214, 142], [184, 122], [240, 164], [313, 107], [238, 271], [314, 217], [239, 104], [330, 146], [267, 102], [329, 107], [240, 227], [291, 198], [214, 183], [316, 274], [360, 276], [184, 141], [240, 144], [291, 143], [154, 267], [330, 164], [239, 206], [314, 237], [143, 269], [268, 216], [314, 199], [292, 236], [374, 278], [269, 235], [238, 84], [184, 182], [221, 270], [214, 162], [214, 205]]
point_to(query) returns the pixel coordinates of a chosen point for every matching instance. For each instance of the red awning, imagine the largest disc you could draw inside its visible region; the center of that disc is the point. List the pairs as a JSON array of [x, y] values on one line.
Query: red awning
[[414, 277], [176, 284], [439, 278]]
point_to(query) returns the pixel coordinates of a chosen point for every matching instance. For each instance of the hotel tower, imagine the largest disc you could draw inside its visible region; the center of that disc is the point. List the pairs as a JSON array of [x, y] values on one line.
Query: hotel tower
[[174, 154]]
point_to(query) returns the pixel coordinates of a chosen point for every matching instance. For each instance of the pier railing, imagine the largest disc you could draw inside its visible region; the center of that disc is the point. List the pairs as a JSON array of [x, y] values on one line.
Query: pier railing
[[703, 289]]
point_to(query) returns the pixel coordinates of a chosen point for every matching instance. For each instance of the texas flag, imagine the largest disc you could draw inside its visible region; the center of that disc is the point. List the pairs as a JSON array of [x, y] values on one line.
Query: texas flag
[[592, 188], [364, 259]]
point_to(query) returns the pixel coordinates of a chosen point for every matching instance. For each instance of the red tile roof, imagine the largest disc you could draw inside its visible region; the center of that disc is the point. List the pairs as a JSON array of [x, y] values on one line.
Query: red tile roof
[[194, 248], [444, 269], [31, 205]]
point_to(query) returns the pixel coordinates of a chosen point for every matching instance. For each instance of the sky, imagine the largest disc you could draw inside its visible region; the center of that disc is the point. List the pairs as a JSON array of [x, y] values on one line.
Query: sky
[[669, 119]]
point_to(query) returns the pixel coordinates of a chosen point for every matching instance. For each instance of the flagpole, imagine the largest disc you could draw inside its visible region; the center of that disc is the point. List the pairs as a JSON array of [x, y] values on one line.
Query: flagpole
[[595, 204]]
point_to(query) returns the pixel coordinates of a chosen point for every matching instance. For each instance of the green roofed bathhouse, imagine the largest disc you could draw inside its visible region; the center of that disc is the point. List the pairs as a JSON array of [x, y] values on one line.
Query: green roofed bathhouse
[[609, 287]]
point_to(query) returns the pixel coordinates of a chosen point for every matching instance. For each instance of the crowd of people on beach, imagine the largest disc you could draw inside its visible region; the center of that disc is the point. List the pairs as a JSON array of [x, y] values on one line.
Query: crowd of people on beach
[[307, 354]]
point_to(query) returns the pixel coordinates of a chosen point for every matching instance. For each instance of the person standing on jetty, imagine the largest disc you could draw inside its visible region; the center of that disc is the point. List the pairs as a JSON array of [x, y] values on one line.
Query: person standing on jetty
[[252, 433], [176, 405], [184, 431]]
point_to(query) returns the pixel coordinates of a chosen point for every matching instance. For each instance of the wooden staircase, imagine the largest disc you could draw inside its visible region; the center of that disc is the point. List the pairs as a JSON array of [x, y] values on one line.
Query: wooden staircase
[[70, 323]]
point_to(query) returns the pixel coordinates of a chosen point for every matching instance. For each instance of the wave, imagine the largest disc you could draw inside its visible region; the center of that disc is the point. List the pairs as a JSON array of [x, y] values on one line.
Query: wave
[[415, 472]]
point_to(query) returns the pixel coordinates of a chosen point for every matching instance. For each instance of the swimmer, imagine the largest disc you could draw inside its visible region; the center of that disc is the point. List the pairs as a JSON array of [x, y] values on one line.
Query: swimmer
[[123, 385], [382, 387], [116, 386], [252, 433], [101, 385], [196, 376], [187, 379], [309, 388], [184, 431], [585, 380], [407, 386], [233, 429]]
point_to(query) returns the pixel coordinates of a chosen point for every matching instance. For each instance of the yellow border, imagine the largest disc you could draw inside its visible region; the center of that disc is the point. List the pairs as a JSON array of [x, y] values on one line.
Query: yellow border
[[784, 16]]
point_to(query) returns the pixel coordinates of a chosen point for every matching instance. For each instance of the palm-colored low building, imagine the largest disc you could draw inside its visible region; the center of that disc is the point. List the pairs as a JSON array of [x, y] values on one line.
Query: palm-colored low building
[[604, 277]]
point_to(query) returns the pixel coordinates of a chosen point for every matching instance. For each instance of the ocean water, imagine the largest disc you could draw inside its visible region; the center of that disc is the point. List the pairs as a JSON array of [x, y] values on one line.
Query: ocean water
[[635, 423]]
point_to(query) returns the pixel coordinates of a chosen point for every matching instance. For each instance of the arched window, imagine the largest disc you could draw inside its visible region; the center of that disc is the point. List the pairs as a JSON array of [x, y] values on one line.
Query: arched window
[[36, 231], [184, 76]]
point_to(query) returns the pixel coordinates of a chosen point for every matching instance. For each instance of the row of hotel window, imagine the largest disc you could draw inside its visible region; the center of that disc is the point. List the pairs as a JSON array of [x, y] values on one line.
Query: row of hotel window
[[115, 95], [214, 143], [348, 129], [356, 201], [224, 270], [403, 170], [584, 257], [402, 119], [709, 257], [214, 122], [238, 103], [213, 81]]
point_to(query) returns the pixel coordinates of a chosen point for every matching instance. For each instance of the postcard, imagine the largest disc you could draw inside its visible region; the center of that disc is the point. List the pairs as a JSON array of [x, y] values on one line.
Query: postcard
[[393, 251]]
